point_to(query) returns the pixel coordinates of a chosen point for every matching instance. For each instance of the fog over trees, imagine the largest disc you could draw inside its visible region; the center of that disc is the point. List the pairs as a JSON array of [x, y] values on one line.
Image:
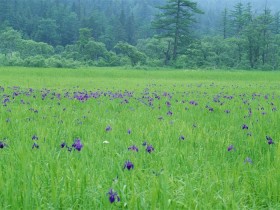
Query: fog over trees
[[229, 33]]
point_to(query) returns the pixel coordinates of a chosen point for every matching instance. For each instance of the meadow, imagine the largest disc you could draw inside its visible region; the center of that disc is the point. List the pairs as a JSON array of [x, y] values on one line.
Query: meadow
[[132, 139]]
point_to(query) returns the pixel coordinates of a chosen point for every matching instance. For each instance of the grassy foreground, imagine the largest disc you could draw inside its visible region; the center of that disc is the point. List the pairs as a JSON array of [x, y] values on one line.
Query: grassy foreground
[[158, 139]]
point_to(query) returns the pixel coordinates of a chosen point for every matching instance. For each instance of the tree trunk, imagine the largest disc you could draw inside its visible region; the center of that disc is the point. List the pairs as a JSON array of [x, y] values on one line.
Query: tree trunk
[[176, 37]]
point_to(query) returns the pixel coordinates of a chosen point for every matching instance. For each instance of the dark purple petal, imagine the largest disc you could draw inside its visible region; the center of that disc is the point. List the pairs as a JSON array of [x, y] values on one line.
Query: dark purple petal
[[113, 196], [35, 146], [230, 148], [150, 148], [133, 148], [129, 165], [244, 126], [77, 145]]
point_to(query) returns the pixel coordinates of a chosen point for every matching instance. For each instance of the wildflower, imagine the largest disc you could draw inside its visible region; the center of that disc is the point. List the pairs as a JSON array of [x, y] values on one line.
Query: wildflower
[[35, 146], [108, 128], [169, 113], [133, 148], [129, 165], [144, 143], [2, 145], [182, 137], [150, 148], [210, 109], [227, 111], [230, 148], [193, 103], [34, 137], [129, 131], [244, 126], [63, 145], [113, 196], [77, 145], [168, 104], [269, 140]]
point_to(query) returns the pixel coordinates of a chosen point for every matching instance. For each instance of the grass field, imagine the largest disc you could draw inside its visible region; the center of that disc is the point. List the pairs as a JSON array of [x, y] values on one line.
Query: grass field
[[202, 139]]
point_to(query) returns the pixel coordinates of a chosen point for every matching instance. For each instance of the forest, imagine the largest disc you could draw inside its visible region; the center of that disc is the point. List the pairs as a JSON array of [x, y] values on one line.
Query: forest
[[208, 34]]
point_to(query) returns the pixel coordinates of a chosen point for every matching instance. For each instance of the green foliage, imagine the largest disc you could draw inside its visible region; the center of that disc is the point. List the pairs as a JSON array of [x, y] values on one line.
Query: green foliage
[[9, 41], [119, 33], [191, 166], [29, 48], [134, 55], [174, 22]]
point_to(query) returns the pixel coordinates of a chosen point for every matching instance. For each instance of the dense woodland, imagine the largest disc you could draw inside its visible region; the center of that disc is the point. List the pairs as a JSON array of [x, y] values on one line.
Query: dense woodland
[[156, 33]]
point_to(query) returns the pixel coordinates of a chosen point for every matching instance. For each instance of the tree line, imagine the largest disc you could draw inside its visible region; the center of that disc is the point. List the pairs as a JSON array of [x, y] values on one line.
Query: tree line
[[73, 33]]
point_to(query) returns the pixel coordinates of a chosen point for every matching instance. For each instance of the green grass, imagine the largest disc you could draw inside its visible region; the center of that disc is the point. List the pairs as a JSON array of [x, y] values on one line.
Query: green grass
[[195, 173]]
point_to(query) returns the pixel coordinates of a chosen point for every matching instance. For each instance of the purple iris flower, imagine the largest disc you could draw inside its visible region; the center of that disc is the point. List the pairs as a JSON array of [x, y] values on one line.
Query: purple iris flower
[[269, 140], [169, 113], [150, 148], [133, 148], [144, 143], [182, 137], [113, 196], [129, 165], [2, 145], [77, 145], [129, 131], [34, 137], [231, 147], [108, 128], [63, 145], [35, 146], [192, 102], [168, 104], [211, 109], [244, 126]]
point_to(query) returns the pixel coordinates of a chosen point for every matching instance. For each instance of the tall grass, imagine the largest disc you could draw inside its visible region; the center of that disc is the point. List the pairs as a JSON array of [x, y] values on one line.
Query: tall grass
[[190, 167]]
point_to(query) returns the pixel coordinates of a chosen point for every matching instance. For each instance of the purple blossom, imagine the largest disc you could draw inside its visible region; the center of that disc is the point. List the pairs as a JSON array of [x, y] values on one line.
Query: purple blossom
[[231, 147], [169, 113], [227, 111], [63, 145], [168, 104], [129, 131], [113, 196], [150, 148], [269, 140], [244, 126], [129, 165], [35, 146], [108, 128], [182, 137], [34, 137], [77, 144], [210, 109], [133, 148], [192, 102], [144, 143], [2, 145]]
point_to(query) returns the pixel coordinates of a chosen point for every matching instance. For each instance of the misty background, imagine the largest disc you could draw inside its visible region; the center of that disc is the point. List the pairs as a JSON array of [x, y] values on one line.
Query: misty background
[[120, 32]]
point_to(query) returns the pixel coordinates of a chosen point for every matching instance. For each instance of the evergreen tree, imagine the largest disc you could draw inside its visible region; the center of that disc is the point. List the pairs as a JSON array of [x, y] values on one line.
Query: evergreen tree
[[175, 20]]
